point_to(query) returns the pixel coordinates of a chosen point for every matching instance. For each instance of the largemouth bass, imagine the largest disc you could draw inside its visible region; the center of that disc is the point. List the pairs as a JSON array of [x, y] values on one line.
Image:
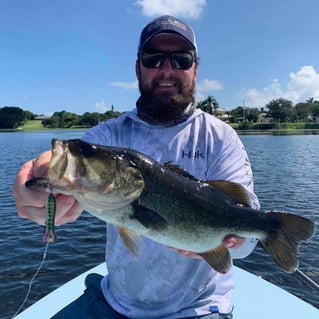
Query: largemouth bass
[[166, 204]]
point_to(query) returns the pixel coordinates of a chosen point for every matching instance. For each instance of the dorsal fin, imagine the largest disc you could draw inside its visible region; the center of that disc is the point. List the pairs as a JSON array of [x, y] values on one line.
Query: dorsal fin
[[235, 191]]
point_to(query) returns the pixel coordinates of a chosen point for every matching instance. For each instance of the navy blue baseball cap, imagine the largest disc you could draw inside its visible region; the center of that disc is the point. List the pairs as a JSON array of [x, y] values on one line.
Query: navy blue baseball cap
[[167, 24]]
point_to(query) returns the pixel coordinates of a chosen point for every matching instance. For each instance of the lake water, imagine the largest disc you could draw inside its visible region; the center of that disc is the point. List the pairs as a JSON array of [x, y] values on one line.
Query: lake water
[[286, 173]]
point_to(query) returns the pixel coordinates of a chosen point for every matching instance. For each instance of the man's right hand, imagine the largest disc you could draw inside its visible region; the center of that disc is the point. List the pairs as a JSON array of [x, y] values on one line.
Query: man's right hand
[[31, 204]]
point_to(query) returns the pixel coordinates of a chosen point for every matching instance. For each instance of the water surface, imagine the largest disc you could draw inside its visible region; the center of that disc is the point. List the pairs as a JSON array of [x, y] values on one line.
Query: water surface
[[286, 173]]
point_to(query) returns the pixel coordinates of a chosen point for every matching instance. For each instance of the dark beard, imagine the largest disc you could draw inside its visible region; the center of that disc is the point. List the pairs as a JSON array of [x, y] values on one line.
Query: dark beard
[[163, 109]]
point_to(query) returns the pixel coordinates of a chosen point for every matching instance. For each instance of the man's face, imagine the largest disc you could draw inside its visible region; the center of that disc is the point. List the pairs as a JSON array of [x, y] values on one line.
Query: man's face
[[166, 91], [166, 79]]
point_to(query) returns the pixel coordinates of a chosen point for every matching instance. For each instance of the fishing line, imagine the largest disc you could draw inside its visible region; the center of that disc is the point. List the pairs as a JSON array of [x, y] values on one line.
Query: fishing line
[[49, 236], [307, 280], [32, 280]]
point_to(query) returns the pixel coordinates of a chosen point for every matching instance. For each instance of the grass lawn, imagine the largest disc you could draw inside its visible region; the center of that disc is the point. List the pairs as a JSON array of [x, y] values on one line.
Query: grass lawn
[[33, 125]]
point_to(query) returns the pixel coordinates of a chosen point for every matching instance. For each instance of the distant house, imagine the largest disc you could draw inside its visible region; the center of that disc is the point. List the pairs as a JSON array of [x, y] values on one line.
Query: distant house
[[222, 114], [264, 119], [42, 117]]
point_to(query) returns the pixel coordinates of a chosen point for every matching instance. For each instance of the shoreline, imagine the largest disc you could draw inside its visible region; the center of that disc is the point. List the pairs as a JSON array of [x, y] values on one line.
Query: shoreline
[[285, 129], [278, 132], [275, 132]]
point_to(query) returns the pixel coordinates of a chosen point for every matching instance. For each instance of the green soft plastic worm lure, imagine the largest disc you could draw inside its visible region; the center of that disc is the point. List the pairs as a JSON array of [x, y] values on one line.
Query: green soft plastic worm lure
[[49, 235]]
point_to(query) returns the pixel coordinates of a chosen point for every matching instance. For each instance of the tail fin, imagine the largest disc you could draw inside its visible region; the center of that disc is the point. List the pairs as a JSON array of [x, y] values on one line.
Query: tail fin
[[283, 246]]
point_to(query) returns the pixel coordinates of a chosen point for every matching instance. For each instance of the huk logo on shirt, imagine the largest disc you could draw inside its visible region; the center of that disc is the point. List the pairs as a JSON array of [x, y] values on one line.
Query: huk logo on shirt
[[190, 154]]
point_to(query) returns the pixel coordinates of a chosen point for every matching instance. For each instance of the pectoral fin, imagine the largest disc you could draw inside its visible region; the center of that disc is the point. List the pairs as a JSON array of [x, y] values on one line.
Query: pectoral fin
[[219, 258], [130, 241]]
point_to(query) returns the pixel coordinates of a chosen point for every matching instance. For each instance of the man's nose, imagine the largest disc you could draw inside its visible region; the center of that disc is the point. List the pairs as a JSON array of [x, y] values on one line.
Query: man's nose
[[166, 65]]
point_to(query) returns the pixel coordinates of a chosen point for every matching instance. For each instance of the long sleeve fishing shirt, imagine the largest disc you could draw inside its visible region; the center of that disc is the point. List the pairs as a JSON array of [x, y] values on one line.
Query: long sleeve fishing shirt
[[162, 283]]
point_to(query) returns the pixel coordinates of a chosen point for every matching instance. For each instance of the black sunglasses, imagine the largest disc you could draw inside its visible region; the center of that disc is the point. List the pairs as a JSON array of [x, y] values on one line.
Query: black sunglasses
[[179, 60]]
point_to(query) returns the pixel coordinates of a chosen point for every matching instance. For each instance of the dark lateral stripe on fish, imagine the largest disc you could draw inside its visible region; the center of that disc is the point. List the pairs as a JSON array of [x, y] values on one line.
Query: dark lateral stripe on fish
[[147, 217]]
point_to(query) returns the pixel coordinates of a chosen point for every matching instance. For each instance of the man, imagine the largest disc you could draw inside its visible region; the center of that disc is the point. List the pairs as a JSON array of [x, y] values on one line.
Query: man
[[162, 282]]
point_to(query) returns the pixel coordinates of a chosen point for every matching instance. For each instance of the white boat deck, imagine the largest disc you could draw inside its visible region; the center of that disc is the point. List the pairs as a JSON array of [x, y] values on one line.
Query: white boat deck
[[254, 298]]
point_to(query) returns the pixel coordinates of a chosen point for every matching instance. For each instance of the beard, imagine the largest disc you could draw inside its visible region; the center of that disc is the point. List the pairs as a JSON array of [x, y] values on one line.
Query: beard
[[165, 109]]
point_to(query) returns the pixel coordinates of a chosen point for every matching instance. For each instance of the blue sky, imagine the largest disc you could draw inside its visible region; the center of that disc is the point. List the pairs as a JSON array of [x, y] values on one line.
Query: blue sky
[[79, 55]]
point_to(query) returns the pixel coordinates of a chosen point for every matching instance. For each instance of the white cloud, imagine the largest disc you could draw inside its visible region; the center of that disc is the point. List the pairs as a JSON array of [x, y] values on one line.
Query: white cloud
[[301, 85], [304, 82], [125, 85], [255, 98], [205, 88], [100, 107], [191, 9]]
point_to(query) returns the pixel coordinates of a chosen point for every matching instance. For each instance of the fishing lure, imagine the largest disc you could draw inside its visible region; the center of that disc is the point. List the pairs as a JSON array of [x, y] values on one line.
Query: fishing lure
[[49, 235]]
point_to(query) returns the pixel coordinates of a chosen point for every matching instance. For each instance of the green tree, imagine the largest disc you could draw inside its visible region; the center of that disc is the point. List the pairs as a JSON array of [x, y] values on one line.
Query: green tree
[[244, 114], [11, 117], [111, 114], [29, 115], [280, 109], [237, 114], [302, 110], [315, 108], [90, 119], [251, 114], [209, 105], [62, 119]]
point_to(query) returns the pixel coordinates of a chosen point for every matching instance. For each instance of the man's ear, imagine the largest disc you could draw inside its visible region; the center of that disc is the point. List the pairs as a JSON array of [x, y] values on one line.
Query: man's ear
[[137, 69]]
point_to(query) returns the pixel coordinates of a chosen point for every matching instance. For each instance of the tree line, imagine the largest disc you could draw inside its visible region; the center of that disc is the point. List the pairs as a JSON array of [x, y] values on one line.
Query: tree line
[[65, 119], [12, 117], [279, 110]]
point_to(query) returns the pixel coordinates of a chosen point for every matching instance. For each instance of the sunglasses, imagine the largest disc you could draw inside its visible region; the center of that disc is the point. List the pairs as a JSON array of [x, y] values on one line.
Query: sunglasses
[[179, 60]]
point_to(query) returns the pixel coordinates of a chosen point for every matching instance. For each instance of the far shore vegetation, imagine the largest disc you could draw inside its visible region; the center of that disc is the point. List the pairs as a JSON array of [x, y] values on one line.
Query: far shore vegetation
[[279, 116]]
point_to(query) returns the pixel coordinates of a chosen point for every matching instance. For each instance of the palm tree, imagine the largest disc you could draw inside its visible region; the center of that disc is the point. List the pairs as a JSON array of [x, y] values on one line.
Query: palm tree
[[209, 105]]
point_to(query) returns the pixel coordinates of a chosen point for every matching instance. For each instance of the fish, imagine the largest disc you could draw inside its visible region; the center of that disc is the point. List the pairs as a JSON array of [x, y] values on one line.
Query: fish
[[165, 203]]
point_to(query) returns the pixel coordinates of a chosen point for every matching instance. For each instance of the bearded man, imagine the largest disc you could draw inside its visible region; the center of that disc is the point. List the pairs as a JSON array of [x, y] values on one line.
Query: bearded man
[[163, 282]]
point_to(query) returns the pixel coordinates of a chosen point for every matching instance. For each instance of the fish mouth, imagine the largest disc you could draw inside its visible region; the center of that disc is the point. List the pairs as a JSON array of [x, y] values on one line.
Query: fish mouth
[[62, 170], [64, 166]]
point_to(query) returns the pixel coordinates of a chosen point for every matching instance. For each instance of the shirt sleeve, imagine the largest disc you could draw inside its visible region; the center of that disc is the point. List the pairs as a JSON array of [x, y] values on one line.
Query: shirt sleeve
[[230, 162], [99, 134]]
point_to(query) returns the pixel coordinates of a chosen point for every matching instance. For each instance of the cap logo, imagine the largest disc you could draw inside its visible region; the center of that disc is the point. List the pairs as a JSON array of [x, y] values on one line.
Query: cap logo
[[168, 21]]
